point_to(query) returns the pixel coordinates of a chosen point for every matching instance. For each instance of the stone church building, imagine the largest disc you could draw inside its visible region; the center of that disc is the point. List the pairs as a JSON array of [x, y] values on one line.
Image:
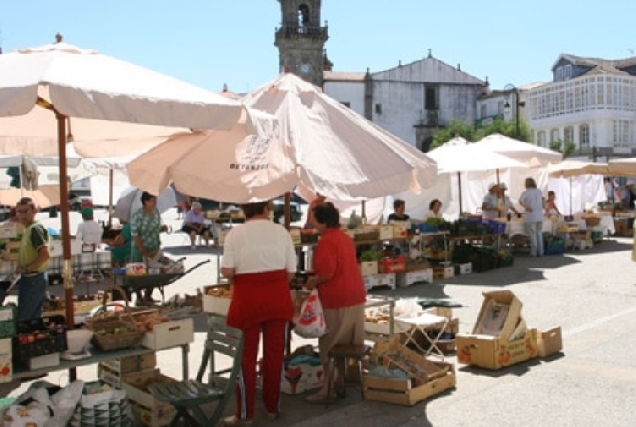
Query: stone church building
[[411, 101]]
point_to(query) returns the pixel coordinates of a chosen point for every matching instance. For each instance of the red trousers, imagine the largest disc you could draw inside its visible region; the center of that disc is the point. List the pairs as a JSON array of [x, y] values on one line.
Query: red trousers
[[275, 333]]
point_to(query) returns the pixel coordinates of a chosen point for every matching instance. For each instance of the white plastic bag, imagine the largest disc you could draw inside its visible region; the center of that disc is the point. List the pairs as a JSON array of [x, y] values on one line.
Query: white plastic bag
[[311, 323]]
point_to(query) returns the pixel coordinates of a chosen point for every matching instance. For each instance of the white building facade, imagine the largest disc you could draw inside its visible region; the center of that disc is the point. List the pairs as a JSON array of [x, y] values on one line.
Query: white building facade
[[411, 101], [591, 102]]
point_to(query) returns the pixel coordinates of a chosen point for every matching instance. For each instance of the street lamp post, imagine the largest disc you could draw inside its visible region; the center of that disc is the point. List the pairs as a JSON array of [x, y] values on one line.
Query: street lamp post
[[509, 89]]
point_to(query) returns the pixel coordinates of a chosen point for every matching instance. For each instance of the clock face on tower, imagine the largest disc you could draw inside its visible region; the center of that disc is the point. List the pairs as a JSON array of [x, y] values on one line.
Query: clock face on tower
[[305, 68]]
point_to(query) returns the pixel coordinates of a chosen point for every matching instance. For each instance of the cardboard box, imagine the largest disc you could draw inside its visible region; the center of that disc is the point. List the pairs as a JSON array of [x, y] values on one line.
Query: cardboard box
[[216, 304], [499, 314], [169, 334], [400, 229], [369, 268], [129, 364], [145, 408], [9, 231], [6, 365], [377, 280], [411, 277], [443, 272], [549, 341], [386, 231], [461, 269], [494, 353], [392, 265]]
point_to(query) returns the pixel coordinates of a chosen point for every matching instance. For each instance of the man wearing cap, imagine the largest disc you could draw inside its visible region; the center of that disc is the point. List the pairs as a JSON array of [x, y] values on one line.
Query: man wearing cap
[[490, 204], [89, 230], [505, 202], [630, 198]]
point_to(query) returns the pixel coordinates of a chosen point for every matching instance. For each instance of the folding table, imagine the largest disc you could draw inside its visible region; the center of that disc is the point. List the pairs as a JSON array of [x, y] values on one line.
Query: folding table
[[424, 323]]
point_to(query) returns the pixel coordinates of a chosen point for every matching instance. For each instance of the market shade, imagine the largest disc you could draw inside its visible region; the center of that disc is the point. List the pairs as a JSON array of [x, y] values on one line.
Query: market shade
[[72, 82], [44, 197], [130, 202], [244, 164], [524, 152], [457, 158], [569, 168], [622, 167], [339, 153]]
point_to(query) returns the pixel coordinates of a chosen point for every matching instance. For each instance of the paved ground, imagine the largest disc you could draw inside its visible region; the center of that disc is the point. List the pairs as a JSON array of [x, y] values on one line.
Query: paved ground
[[590, 293]]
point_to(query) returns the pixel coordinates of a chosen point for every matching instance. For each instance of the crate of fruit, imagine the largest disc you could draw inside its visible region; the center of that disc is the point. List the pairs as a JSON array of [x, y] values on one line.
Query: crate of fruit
[[39, 337]]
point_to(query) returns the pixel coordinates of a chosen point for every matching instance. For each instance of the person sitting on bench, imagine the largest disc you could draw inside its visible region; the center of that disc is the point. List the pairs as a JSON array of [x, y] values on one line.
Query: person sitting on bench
[[194, 225]]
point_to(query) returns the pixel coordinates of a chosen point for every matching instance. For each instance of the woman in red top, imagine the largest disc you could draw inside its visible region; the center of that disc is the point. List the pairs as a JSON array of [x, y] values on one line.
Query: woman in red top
[[341, 291]]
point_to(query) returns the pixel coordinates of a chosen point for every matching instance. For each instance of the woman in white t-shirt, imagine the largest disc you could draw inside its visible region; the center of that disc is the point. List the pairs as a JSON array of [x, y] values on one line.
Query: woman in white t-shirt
[[259, 259], [89, 230]]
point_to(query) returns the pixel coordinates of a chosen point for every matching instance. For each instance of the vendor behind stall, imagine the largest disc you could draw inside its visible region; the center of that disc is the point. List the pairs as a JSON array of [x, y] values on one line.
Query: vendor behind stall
[[120, 246], [399, 206], [89, 230], [32, 262]]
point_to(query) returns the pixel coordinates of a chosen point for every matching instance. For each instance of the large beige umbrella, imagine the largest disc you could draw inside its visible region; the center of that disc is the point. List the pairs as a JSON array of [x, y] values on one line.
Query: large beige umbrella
[[247, 163], [72, 82], [622, 167], [338, 152], [568, 168], [45, 196]]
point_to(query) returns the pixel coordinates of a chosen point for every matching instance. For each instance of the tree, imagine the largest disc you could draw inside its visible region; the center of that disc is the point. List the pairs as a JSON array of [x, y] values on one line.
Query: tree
[[567, 148], [472, 134]]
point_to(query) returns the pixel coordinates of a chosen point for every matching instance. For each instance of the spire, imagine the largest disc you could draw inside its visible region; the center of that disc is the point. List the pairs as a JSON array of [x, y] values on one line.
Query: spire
[[59, 38]]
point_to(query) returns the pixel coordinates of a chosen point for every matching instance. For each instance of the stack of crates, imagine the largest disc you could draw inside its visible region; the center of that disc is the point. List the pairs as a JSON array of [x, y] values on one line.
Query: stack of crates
[[133, 374]]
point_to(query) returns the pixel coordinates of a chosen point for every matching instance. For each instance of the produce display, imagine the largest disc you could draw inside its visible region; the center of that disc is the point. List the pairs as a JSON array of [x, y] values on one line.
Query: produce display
[[220, 292]]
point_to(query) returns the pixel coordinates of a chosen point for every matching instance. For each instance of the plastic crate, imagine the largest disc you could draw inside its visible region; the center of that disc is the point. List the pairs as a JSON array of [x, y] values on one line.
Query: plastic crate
[[496, 227], [7, 321], [425, 228], [39, 337]]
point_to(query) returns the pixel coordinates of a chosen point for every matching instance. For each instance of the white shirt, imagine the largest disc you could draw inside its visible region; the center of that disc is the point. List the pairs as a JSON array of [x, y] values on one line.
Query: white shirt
[[491, 201], [90, 232], [532, 198], [257, 246]]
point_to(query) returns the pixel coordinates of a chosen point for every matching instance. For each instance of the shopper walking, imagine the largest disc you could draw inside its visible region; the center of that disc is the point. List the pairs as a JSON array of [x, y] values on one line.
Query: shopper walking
[[260, 260], [341, 292], [532, 201]]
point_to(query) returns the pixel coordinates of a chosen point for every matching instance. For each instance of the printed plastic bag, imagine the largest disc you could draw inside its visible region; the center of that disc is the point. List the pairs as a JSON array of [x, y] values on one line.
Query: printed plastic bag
[[311, 323]]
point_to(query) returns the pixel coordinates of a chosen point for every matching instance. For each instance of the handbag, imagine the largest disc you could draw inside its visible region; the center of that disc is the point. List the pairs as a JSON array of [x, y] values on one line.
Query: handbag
[[311, 322]]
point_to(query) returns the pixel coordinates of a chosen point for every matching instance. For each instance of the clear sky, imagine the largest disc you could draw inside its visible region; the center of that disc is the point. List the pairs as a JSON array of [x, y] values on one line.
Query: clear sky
[[211, 42]]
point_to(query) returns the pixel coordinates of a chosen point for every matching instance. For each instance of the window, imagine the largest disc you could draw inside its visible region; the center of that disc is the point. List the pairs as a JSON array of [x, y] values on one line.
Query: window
[[346, 104], [541, 142], [500, 108], [554, 135], [484, 111], [303, 15], [623, 133], [378, 108], [568, 134], [430, 98], [584, 136]]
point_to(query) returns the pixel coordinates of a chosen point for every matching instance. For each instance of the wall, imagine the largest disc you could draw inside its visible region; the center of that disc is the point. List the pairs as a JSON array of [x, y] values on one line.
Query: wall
[[351, 92]]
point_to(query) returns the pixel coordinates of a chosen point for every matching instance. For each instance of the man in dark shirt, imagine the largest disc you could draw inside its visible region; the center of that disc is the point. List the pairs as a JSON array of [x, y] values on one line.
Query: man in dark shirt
[[399, 206]]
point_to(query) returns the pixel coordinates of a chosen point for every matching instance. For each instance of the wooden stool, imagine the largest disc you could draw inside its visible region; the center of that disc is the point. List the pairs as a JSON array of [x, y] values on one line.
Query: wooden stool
[[349, 351]]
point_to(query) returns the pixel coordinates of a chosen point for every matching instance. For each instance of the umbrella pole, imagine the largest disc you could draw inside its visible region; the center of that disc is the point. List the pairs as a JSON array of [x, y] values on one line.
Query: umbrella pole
[[459, 181], [64, 216], [287, 210], [110, 198], [570, 196]]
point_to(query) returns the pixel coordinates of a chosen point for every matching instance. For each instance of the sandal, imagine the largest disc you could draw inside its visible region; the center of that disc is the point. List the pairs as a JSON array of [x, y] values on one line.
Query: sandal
[[321, 399], [234, 421]]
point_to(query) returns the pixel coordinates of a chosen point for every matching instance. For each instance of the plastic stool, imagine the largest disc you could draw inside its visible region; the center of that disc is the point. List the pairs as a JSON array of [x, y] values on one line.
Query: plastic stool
[[349, 351]]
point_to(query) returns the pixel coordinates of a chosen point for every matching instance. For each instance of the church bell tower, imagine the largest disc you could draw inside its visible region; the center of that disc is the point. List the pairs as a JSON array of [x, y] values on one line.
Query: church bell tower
[[300, 40]]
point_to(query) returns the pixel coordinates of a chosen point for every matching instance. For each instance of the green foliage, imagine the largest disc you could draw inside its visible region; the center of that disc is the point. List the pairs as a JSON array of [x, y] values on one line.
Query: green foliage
[[473, 134], [567, 148], [370, 255]]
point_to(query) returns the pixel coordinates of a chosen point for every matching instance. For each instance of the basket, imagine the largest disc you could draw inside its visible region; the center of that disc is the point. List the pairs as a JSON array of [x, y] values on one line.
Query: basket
[[114, 330]]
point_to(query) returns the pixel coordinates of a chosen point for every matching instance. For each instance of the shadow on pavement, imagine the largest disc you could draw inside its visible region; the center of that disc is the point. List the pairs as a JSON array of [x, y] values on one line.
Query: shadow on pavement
[[516, 370]]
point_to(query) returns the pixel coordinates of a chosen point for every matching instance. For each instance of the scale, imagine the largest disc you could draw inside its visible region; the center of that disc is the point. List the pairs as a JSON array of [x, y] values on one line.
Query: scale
[[84, 354]]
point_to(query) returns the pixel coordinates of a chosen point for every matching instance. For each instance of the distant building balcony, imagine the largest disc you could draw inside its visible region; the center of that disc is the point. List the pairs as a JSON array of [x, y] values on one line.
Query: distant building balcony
[[429, 118], [301, 32]]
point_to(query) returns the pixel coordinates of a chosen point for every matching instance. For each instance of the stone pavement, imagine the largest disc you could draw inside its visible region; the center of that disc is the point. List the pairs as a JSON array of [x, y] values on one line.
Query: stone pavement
[[590, 293]]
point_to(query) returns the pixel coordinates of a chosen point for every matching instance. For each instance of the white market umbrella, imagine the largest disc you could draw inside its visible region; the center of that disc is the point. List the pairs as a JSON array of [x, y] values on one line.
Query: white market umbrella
[[130, 202], [469, 158], [244, 164], [524, 152], [72, 82], [339, 153]]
